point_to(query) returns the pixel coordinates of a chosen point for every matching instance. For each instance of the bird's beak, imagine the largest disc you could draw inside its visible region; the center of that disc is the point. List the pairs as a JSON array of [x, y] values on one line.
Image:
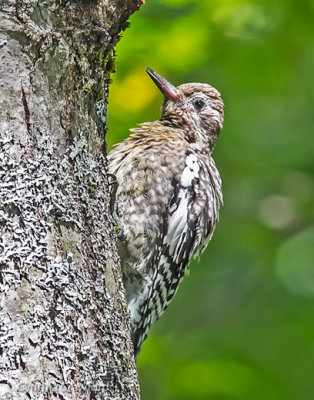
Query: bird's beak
[[166, 88]]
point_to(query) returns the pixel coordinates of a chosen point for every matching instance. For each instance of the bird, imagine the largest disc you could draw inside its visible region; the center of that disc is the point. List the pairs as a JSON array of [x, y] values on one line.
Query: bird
[[167, 197]]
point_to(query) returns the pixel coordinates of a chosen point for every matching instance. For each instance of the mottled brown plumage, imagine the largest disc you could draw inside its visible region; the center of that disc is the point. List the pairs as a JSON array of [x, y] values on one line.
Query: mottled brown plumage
[[168, 197]]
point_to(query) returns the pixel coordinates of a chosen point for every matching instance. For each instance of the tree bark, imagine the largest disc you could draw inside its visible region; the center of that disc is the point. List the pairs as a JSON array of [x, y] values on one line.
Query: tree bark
[[64, 330]]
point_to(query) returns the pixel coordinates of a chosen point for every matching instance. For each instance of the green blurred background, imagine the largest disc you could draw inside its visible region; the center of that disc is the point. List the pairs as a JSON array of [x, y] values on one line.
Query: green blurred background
[[242, 323]]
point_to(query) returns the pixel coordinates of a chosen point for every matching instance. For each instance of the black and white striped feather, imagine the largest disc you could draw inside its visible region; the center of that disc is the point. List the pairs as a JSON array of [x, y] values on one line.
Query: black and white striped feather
[[186, 226]]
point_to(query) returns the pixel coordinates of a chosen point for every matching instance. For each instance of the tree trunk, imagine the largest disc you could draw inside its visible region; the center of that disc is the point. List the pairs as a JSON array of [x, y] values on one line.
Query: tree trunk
[[64, 331]]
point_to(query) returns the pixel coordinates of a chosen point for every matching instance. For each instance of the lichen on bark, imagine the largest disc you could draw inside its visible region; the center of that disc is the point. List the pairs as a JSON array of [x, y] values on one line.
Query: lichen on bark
[[64, 330]]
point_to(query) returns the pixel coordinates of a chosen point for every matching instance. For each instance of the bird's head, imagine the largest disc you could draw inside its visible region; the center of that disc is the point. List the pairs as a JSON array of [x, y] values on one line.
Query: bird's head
[[196, 108]]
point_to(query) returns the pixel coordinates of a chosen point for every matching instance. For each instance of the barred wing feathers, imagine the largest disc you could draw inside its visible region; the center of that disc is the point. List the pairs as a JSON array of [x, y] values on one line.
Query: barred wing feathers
[[185, 225]]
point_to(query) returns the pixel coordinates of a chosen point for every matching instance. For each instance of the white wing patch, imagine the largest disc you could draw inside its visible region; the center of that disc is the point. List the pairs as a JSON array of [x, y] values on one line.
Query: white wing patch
[[178, 223], [191, 171]]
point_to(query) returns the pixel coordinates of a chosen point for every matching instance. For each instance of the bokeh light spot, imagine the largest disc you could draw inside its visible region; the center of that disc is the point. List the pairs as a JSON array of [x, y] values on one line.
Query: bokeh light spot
[[295, 263], [277, 211], [137, 86], [242, 19]]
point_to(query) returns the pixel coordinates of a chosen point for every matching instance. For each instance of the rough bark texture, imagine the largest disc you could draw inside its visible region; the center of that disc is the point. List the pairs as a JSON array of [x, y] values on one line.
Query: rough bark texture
[[64, 330]]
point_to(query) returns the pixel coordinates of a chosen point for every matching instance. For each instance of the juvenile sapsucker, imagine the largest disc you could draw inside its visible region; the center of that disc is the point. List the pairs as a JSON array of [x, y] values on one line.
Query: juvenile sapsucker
[[167, 198]]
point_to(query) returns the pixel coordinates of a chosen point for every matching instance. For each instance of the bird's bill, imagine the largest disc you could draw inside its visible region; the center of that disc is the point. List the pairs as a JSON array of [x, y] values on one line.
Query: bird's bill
[[166, 88]]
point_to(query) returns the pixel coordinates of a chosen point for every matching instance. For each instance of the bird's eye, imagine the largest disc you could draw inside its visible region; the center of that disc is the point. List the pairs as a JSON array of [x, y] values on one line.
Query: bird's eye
[[198, 104]]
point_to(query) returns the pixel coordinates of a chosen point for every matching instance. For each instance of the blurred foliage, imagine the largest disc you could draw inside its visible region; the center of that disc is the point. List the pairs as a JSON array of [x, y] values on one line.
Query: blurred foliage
[[242, 324]]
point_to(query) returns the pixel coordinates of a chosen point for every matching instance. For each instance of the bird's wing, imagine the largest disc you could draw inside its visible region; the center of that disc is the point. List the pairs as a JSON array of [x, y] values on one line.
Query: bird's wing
[[173, 250]]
